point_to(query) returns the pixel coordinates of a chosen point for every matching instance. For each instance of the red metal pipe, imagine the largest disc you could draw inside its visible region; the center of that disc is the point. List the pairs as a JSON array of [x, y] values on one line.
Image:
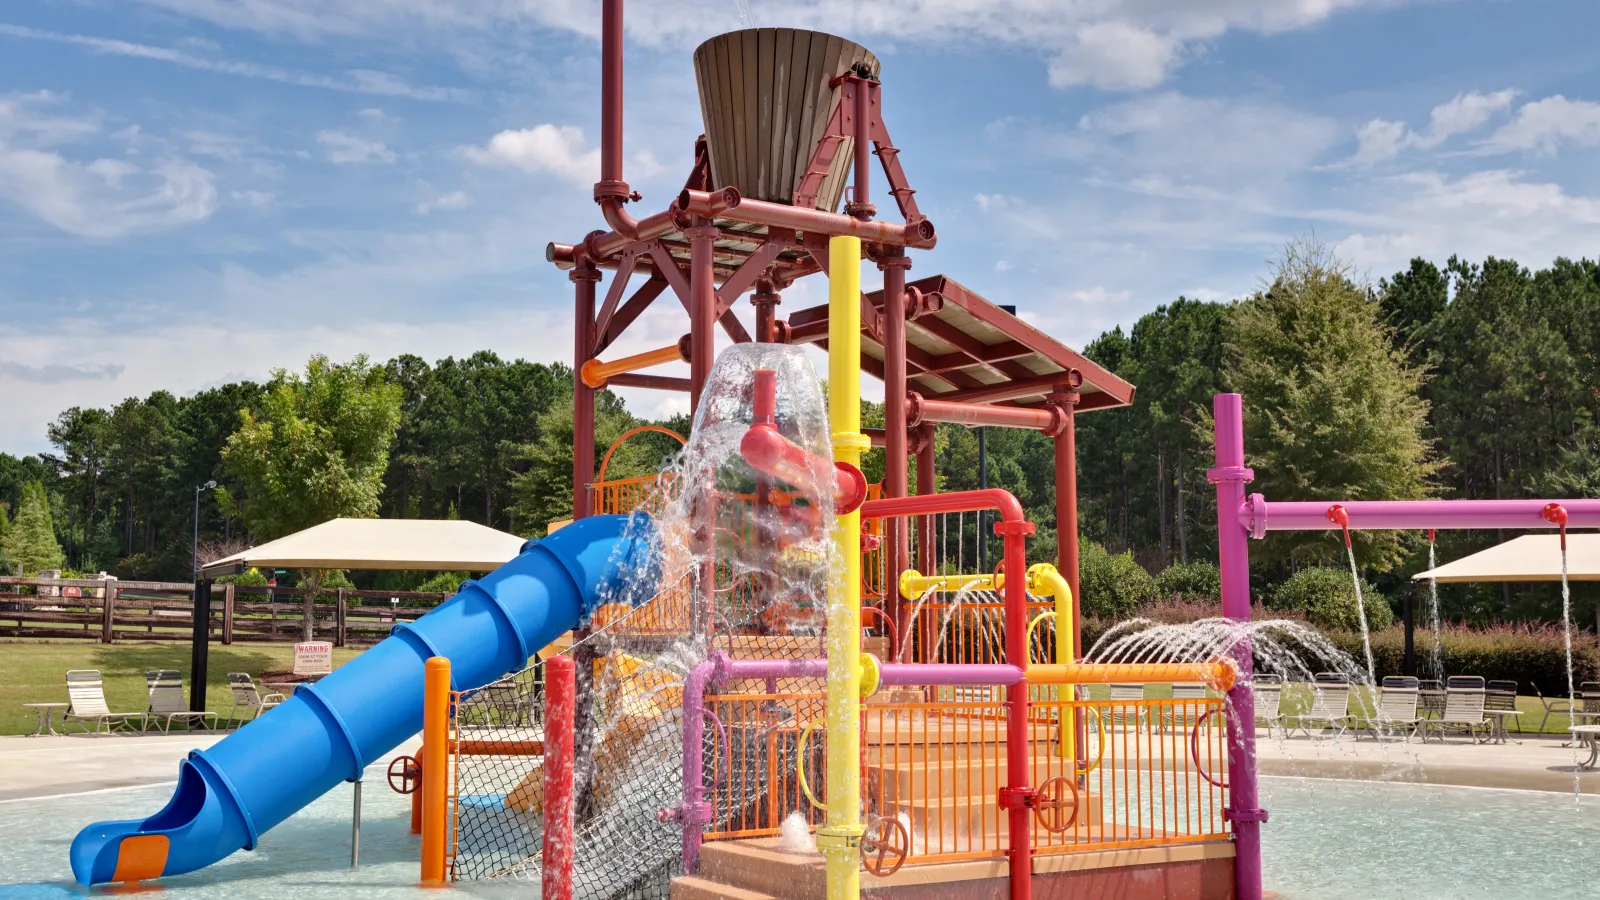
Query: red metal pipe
[[894, 268], [1049, 420], [1066, 464], [702, 308], [1017, 796], [770, 453], [611, 191], [584, 279], [927, 469], [776, 215], [860, 206], [956, 501], [708, 203], [560, 703]]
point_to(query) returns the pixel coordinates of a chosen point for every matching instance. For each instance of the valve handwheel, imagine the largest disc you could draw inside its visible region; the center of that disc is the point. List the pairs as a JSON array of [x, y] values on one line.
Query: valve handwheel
[[884, 846], [405, 774], [1056, 806]]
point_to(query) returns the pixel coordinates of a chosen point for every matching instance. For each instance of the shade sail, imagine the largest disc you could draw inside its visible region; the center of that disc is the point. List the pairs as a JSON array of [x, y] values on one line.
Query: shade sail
[[380, 544], [1534, 557]]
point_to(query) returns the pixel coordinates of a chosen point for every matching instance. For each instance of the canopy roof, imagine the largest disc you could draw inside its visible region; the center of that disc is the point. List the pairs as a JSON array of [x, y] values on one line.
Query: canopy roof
[[1534, 557], [380, 544]]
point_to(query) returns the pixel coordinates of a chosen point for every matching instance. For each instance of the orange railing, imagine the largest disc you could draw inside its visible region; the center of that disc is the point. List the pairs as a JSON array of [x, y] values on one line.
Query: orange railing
[[1153, 771]]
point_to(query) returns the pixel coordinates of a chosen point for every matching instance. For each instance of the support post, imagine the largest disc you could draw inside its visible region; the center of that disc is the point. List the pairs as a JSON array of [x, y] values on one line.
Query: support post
[[435, 736], [766, 300], [1233, 555], [702, 307], [200, 645], [1066, 399], [1018, 797], [839, 838], [108, 614], [559, 688], [355, 825], [339, 622], [584, 278], [227, 614], [894, 264]]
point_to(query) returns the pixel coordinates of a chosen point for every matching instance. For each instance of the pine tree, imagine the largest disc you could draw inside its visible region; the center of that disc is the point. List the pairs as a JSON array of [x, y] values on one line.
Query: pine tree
[[1332, 410], [30, 541]]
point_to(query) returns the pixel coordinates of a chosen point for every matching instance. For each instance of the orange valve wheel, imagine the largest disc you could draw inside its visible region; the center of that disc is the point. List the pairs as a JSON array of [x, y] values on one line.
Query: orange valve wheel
[[884, 846], [1056, 807], [405, 774]]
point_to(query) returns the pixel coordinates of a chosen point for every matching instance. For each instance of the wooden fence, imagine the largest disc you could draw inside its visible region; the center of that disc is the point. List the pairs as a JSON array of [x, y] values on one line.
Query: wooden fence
[[112, 611]]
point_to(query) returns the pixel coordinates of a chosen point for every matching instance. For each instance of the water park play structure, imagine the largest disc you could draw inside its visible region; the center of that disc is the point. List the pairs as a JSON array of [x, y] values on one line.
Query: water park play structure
[[756, 658]]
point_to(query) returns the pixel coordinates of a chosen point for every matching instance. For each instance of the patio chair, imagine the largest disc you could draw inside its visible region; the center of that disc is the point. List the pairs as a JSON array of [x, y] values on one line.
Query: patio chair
[[1588, 710], [1120, 711], [1268, 690], [1557, 705], [167, 702], [1185, 710], [248, 701], [1502, 695], [86, 703], [1330, 706], [1397, 707], [1463, 709]]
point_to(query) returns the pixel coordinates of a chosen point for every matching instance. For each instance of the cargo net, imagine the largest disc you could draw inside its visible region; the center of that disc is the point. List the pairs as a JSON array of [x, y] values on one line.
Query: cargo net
[[744, 566]]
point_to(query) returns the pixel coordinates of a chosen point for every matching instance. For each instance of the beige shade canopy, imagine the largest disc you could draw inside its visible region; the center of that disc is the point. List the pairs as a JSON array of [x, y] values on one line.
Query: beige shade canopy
[[380, 544], [1534, 557]]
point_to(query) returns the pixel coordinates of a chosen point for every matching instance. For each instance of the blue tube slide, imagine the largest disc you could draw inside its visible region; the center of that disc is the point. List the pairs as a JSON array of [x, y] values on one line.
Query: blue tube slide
[[327, 733]]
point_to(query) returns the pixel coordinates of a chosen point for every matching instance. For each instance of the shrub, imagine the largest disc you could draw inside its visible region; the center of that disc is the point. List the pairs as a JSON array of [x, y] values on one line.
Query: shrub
[[1531, 655], [1113, 585], [443, 583], [250, 577], [1328, 599], [1196, 581]]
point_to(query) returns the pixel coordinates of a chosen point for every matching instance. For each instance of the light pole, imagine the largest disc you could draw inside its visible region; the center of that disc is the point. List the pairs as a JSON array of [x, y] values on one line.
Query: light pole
[[195, 546]]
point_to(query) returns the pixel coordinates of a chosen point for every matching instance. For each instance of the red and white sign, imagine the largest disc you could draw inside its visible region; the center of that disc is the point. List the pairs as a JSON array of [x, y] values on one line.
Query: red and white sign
[[313, 658], [72, 590]]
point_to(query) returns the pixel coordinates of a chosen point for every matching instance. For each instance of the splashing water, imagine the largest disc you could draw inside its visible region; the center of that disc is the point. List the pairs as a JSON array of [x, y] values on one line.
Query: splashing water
[[1566, 634], [1436, 652], [1361, 614]]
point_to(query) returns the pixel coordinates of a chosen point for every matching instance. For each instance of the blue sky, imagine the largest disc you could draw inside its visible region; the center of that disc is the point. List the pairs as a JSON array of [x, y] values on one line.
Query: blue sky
[[195, 191]]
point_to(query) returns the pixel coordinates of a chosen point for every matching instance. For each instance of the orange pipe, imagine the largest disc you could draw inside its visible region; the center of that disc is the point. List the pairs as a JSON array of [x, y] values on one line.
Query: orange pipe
[[498, 748], [435, 738], [416, 797], [1217, 673], [596, 372]]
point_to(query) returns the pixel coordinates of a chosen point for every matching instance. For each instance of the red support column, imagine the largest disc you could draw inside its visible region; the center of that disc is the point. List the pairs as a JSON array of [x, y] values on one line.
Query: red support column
[[584, 277], [926, 485], [766, 300], [894, 265], [1066, 398], [702, 307], [559, 747]]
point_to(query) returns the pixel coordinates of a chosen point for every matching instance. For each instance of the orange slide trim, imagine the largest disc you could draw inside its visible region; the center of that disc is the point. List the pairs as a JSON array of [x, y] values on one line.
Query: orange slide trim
[[140, 857]]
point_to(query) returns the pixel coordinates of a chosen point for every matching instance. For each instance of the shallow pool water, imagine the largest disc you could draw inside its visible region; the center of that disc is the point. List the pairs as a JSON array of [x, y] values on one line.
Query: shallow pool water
[[1357, 840], [1327, 840]]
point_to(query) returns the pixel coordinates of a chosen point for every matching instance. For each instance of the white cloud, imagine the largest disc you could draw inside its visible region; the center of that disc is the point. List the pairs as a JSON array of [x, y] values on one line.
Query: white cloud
[[360, 81], [1381, 140], [99, 196], [987, 202], [556, 150], [1112, 44], [1544, 125], [349, 149], [452, 200], [1498, 212], [1115, 56], [253, 198]]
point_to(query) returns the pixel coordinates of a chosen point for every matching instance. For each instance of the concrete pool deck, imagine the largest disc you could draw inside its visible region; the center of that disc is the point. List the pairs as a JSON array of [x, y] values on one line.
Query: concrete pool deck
[[68, 764], [51, 765]]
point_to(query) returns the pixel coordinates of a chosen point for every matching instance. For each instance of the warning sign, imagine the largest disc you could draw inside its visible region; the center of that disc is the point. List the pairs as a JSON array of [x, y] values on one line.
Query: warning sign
[[313, 658]]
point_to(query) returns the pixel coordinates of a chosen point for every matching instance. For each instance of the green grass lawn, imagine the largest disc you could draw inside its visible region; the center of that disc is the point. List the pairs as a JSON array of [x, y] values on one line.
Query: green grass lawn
[[33, 672]]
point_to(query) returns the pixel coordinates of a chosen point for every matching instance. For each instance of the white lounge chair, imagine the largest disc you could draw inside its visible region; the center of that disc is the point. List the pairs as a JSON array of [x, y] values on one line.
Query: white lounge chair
[[1397, 707], [1464, 699], [248, 701], [1122, 707], [1185, 710], [1268, 692], [167, 702], [1330, 707], [86, 704]]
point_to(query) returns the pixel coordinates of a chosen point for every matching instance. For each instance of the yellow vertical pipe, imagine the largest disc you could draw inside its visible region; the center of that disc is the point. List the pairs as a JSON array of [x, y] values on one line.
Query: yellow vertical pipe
[[435, 736], [1045, 581], [839, 838]]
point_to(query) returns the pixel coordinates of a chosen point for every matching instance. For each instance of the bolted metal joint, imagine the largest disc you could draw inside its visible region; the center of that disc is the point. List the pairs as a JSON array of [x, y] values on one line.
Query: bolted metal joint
[[1245, 815], [1019, 798], [1007, 529]]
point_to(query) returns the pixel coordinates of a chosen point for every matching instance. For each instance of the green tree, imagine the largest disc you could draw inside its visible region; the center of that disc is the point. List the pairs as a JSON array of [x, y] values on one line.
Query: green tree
[[315, 451], [1113, 584], [1328, 598], [542, 492], [30, 541], [1333, 409]]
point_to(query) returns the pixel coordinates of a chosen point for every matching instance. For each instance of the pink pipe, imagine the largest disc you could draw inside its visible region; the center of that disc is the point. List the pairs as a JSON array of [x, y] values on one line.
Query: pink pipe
[[895, 674], [1260, 516]]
